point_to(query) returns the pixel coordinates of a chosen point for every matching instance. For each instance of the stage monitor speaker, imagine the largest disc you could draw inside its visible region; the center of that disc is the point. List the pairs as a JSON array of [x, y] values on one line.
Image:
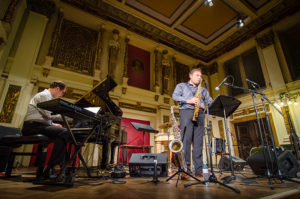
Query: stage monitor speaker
[[142, 164], [238, 163], [288, 163]]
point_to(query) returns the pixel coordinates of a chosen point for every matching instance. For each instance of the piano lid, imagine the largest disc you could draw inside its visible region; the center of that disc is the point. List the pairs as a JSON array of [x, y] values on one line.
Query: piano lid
[[99, 97]]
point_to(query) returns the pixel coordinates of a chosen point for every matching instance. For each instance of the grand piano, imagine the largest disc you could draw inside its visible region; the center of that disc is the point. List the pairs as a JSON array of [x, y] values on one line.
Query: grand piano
[[101, 126], [110, 114]]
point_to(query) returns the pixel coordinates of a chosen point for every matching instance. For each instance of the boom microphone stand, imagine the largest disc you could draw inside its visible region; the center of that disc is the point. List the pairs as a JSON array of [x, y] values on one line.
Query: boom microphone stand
[[212, 177], [263, 98]]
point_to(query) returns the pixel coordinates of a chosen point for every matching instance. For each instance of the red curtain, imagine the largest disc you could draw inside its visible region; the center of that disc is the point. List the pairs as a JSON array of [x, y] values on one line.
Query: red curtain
[[49, 152], [138, 67], [134, 138]]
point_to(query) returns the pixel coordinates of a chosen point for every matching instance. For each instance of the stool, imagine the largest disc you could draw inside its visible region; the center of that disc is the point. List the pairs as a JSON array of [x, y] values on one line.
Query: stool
[[12, 138]]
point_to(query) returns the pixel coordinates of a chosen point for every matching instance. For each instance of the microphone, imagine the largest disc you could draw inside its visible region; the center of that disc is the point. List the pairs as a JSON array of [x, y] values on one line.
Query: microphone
[[224, 80], [253, 83]]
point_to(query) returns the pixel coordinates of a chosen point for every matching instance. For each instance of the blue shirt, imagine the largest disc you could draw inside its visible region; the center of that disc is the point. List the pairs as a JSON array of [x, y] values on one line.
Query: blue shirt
[[184, 91]]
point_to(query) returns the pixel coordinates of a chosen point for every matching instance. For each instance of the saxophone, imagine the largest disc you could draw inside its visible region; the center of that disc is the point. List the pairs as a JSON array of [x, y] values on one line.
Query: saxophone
[[176, 146], [196, 110]]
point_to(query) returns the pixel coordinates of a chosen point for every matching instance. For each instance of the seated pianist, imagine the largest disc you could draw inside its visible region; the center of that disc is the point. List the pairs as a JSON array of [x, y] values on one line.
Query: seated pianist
[[40, 121]]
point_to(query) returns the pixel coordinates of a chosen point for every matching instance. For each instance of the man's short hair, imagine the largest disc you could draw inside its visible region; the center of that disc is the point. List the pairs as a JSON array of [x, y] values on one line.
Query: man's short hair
[[194, 70], [59, 84]]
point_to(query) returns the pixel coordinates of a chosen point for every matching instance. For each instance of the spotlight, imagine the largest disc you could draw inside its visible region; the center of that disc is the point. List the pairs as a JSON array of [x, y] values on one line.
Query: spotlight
[[208, 3], [295, 102], [289, 102], [239, 23]]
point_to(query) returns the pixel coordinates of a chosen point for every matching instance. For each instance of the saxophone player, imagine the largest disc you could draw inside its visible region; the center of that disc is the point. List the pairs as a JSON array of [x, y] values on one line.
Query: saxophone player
[[192, 131]]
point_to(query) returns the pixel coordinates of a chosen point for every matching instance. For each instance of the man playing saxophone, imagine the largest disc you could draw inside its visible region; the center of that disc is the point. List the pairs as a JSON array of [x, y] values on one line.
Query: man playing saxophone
[[192, 131]]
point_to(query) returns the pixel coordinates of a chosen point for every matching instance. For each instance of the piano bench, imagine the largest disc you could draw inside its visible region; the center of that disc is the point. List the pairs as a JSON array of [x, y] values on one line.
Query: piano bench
[[11, 138]]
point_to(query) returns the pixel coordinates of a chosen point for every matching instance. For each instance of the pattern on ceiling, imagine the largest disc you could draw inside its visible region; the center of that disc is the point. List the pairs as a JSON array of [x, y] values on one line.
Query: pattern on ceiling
[[196, 19], [189, 17]]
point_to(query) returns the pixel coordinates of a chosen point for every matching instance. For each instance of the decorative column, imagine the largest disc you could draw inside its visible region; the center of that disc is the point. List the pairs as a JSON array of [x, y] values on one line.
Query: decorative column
[[18, 85], [174, 71], [113, 53], [156, 85], [266, 43], [165, 72], [98, 54], [125, 76]]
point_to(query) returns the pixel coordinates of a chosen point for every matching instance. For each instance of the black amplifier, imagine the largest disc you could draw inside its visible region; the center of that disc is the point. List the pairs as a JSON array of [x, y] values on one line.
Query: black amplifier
[[142, 164]]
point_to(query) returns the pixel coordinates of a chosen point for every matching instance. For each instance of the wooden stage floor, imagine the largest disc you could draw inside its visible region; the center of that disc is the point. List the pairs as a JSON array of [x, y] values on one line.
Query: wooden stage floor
[[141, 188]]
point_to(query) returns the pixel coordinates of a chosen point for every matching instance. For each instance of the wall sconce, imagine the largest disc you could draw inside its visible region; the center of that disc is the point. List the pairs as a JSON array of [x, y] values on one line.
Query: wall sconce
[[287, 99]]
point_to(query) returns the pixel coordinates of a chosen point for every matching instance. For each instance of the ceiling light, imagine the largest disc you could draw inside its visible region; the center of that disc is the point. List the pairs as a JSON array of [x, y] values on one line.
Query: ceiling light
[[289, 102], [208, 3], [295, 102], [240, 23]]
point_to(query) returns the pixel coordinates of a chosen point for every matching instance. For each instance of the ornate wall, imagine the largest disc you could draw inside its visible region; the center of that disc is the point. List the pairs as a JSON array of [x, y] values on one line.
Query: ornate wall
[[62, 44]]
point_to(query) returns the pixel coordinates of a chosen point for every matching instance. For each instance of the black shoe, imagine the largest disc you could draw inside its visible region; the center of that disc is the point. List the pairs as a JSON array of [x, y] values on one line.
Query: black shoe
[[49, 173]]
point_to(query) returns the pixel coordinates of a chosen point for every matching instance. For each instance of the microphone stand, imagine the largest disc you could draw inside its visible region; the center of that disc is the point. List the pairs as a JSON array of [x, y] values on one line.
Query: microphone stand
[[212, 177], [263, 98]]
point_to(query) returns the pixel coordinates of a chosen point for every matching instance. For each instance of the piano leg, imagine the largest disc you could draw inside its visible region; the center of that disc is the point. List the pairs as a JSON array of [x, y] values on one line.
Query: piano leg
[[113, 149], [105, 153]]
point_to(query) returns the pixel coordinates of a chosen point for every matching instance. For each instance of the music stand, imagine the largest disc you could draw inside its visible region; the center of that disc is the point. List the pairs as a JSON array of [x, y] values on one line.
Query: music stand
[[224, 106], [144, 128]]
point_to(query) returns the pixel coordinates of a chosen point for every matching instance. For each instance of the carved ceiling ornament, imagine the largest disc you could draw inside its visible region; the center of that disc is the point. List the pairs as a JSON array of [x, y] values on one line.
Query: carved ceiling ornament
[[135, 24], [208, 70]]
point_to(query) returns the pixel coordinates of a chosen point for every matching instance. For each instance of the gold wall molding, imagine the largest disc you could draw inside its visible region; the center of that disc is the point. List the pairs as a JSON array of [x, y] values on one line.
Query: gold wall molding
[[10, 103], [137, 107]]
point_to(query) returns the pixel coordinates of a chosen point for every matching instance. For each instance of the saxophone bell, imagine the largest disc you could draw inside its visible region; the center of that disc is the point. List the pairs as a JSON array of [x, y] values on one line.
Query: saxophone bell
[[176, 146]]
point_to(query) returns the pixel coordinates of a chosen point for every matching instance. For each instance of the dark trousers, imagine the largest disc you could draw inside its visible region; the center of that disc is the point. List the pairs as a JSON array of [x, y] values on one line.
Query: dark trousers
[[56, 134], [192, 133]]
